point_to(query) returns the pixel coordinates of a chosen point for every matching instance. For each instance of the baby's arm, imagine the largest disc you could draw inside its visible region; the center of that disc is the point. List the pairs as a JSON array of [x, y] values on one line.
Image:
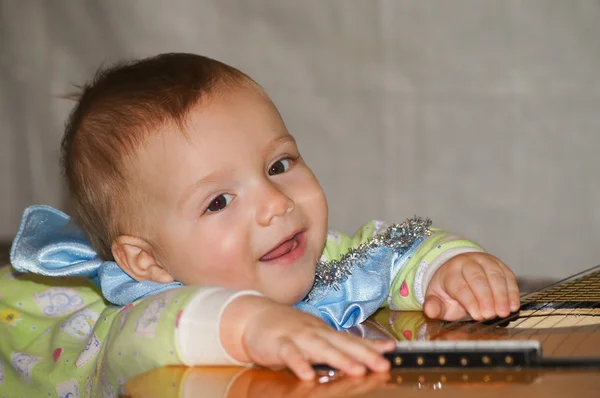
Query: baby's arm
[[216, 326], [452, 277], [175, 327], [447, 276], [418, 265]]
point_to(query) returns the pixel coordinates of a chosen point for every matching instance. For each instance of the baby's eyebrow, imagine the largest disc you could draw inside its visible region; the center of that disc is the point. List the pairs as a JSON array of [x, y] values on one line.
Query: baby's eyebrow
[[210, 178], [279, 141]]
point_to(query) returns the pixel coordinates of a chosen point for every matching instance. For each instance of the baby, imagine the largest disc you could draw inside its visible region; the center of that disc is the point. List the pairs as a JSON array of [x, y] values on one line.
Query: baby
[[182, 172]]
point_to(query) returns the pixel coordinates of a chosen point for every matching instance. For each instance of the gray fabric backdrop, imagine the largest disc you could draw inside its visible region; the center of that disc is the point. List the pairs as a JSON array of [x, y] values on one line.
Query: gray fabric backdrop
[[481, 114]]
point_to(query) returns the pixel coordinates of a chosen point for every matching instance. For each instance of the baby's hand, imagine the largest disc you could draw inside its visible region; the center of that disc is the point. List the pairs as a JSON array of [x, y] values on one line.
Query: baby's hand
[[475, 284], [276, 335]]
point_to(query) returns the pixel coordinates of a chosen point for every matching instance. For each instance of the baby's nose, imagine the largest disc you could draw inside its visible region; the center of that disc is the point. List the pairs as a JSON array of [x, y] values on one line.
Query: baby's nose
[[274, 204]]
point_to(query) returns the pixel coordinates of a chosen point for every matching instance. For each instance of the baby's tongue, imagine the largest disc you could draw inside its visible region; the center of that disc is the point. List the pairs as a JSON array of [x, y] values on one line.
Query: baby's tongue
[[280, 250]]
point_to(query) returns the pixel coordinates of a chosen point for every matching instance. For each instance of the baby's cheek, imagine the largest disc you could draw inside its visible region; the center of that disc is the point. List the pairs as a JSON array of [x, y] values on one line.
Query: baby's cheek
[[218, 261]]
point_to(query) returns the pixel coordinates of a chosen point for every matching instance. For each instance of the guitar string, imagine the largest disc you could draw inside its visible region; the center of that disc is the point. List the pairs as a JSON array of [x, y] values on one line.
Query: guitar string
[[572, 311], [549, 302], [594, 327], [576, 329], [573, 280], [470, 326], [565, 292], [573, 328], [516, 316], [584, 338], [546, 316], [583, 291]]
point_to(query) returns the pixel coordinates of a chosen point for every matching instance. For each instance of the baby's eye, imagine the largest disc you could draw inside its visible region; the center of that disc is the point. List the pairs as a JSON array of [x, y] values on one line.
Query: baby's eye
[[219, 203], [279, 167]]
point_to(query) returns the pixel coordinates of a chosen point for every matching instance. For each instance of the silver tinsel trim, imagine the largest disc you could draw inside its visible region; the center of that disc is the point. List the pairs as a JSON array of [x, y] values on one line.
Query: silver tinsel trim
[[397, 237]]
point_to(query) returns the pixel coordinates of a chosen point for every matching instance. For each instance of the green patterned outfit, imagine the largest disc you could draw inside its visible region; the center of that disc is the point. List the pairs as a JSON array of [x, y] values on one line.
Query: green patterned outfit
[[60, 338]]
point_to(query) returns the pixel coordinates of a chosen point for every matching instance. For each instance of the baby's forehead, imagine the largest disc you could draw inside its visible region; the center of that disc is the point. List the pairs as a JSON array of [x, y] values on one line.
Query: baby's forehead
[[217, 122]]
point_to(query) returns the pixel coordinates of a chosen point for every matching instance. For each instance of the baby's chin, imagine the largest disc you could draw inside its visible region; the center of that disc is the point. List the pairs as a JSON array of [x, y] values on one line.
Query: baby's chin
[[290, 295], [300, 294]]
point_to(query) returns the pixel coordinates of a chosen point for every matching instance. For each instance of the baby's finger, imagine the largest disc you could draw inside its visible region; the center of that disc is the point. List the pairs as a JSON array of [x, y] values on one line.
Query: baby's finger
[[480, 285], [433, 307], [458, 288], [321, 350], [381, 345], [292, 357], [362, 351], [514, 296], [497, 281]]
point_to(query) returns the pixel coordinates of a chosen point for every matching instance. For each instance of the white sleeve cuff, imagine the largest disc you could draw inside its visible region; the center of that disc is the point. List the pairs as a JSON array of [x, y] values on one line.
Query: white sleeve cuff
[[430, 269], [198, 334]]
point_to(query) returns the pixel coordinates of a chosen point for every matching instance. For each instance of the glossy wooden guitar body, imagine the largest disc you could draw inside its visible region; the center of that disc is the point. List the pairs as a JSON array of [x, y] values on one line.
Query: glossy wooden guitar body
[[564, 318]]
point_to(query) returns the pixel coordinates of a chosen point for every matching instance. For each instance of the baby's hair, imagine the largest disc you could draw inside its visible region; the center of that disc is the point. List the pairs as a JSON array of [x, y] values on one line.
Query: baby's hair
[[114, 114]]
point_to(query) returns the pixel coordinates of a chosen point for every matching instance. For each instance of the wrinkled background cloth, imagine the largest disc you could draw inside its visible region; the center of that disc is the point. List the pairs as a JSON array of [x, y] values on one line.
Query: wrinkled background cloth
[[481, 114]]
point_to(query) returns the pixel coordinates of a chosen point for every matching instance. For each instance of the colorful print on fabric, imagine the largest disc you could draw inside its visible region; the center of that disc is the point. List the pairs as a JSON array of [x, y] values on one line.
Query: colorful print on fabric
[[178, 318], [56, 354], [91, 350], [148, 321], [68, 389], [23, 364], [92, 379], [58, 301], [404, 292], [10, 317], [334, 236], [80, 324]]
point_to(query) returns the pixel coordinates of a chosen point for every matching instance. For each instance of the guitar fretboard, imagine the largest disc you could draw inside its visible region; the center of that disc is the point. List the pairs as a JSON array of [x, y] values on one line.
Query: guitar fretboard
[[581, 292]]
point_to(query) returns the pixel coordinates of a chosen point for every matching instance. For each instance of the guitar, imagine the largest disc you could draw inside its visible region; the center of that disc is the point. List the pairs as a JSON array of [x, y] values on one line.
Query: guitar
[[556, 332], [550, 348], [562, 320]]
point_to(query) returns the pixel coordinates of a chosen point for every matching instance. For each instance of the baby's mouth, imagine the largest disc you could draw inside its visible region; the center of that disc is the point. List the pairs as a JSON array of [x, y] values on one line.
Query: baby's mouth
[[282, 249]]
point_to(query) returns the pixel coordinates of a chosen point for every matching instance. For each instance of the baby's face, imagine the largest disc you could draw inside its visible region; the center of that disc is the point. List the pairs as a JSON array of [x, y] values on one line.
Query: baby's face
[[233, 204]]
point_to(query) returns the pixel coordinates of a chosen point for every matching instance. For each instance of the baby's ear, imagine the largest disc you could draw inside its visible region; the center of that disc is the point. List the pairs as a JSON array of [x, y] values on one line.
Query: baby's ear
[[136, 257]]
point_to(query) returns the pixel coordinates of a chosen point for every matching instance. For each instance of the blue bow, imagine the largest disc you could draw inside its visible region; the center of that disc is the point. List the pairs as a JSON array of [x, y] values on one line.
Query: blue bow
[[49, 243]]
